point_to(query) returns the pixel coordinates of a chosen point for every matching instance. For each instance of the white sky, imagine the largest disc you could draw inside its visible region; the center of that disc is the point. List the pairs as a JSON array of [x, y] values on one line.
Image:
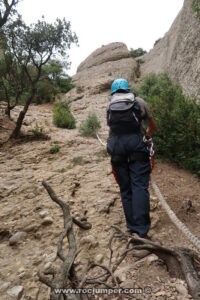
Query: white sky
[[137, 23]]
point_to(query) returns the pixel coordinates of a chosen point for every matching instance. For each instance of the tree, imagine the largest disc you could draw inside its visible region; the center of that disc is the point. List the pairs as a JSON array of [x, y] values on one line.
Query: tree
[[6, 9], [27, 50], [137, 52], [53, 81]]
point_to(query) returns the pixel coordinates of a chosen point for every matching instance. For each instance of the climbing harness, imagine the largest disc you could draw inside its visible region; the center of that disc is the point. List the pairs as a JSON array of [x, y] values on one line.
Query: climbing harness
[[193, 239]]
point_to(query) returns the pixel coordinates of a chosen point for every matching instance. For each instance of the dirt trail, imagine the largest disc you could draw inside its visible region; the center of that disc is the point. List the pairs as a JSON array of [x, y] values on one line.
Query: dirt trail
[[80, 174]]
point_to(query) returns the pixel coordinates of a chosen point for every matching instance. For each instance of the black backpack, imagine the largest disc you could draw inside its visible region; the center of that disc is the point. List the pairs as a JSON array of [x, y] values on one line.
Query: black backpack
[[124, 110]]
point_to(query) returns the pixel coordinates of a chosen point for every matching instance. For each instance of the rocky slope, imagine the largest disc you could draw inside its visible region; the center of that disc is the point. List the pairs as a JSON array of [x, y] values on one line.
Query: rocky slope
[[80, 173], [178, 52]]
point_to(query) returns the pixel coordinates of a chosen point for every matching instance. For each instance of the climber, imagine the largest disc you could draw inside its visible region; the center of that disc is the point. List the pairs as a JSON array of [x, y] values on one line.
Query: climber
[[128, 145]]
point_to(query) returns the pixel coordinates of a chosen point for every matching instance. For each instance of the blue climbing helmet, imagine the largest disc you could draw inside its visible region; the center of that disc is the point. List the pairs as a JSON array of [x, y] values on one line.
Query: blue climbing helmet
[[119, 84]]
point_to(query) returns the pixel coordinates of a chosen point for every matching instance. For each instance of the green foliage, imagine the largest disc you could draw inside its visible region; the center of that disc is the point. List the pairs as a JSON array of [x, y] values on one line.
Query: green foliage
[[177, 118], [64, 83], [55, 149], [137, 52], [196, 7], [38, 131], [53, 81], [10, 87], [62, 116], [90, 126]]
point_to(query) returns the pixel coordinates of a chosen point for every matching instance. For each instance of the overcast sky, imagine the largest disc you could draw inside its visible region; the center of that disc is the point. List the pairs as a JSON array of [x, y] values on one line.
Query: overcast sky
[[137, 23]]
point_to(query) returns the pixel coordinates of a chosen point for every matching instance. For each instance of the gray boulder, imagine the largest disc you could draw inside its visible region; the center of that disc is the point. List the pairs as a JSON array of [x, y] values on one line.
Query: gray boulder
[[17, 238], [97, 72]]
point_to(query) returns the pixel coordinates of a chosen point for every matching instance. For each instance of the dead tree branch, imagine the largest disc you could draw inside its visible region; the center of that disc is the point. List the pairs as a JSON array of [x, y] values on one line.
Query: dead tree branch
[[60, 278], [181, 262]]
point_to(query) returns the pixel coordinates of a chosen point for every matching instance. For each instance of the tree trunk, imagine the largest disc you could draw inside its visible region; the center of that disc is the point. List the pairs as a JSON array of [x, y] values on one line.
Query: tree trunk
[[21, 116], [7, 111], [18, 126]]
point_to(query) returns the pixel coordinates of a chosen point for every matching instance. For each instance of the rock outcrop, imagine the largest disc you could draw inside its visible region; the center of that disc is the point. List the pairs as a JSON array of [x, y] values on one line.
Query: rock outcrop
[[98, 70], [178, 52]]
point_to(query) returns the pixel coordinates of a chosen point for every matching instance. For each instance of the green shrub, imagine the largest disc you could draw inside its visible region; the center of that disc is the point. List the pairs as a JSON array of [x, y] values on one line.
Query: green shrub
[[38, 131], [177, 118], [54, 149], [90, 126], [62, 117], [137, 52]]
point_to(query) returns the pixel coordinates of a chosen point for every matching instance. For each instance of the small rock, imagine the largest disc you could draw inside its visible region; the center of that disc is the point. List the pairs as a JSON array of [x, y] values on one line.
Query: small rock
[[181, 289], [151, 258], [51, 257], [129, 283], [43, 213], [22, 275], [31, 228], [30, 196], [16, 292], [21, 270], [4, 286], [90, 240], [47, 221], [161, 293], [99, 258], [17, 238], [47, 266]]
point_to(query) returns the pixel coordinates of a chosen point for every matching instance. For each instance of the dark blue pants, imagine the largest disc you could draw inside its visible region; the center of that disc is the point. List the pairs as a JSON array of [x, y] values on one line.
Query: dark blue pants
[[133, 179]]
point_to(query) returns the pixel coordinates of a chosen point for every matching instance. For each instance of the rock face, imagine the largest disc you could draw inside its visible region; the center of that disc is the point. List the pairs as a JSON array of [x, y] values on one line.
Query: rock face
[[178, 52], [97, 72]]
